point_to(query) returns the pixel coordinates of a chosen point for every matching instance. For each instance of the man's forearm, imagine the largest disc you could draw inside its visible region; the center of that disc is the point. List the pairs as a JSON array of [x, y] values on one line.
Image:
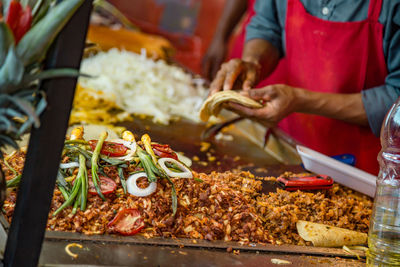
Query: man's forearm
[[263, 53], [346, 107], [233, 12]]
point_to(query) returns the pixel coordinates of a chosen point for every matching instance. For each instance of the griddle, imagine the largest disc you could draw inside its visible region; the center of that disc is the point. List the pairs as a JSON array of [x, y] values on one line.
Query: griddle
[[240, 153]]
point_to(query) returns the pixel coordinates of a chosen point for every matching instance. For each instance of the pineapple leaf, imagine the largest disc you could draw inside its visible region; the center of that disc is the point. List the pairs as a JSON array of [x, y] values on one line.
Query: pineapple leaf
[[30, 3], [6, 125], [41, 106], [6, 40], [6, 4], [40, 9], [11, 72], [33, 46], [10, 112], [27, 108], [50, 74], [7, 140], [24, 127]]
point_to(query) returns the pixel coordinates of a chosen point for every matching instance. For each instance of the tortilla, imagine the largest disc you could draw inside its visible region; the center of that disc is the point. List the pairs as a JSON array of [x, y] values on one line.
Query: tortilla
[[213, 105], [322, 235]]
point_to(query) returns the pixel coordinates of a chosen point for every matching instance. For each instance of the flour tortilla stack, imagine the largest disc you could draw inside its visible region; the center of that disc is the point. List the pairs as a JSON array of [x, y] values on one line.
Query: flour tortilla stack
[[213, 105], [322, 235]]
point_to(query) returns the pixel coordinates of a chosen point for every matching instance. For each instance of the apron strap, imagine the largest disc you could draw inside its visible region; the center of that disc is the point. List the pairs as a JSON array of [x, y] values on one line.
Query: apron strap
[[374, 10]]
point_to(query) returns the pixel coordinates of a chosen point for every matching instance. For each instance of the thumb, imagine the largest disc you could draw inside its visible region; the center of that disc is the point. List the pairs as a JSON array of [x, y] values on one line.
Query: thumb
[[251, 77]]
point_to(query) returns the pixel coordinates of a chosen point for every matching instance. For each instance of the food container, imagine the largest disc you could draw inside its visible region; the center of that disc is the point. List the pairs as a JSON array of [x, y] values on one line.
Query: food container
[[341, 173]]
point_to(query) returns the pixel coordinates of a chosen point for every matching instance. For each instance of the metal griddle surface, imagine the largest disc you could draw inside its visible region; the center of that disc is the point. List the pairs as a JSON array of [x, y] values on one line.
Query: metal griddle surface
[[185, 137]]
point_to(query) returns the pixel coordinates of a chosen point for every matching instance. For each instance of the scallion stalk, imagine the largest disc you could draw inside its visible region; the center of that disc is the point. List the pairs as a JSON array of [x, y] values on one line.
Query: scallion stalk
[[76, 204], [76, 142], [63, 191], [14, 182], [147, 145], [147, 164], [84, 177], [74, 192], [122, 178], [95, 168]]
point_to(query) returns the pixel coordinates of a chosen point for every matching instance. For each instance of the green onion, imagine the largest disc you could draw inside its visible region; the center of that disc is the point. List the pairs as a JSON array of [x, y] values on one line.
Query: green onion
[[11, 168], [63, 191], [198, 180], [61, 179], [147, 164], [172, 166], [76, 204], [173, 196], [84, 177], [74, 193], [122, 178], [95, 158], [147, 145], [76, 142], [75, 149], [14, 182]]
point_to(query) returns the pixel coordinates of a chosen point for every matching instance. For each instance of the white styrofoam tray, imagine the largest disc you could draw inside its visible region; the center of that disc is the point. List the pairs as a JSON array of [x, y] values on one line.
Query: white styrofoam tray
[[340, 172]]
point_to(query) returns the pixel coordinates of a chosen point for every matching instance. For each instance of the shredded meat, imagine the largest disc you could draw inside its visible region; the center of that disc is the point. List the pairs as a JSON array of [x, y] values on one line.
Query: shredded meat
[[225, 206]]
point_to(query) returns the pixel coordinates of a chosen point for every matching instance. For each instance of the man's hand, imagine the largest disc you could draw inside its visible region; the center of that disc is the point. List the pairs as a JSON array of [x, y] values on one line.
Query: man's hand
[[236, 72], [279, 101], [213, 59]]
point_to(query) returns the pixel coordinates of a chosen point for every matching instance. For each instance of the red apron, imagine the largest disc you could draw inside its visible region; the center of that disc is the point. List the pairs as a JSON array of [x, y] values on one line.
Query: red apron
[[334, 57], [238, 46]]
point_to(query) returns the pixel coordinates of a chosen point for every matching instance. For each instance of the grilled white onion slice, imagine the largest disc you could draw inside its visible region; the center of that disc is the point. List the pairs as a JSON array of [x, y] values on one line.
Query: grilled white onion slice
[[133, 189], [186, 173], [69, 165], [128, 144]]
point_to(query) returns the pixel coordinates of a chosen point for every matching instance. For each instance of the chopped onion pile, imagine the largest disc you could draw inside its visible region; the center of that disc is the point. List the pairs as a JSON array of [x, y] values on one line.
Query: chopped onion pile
[[133, 189], [128, 144], [69, 165], [144, 86], [186, 173]]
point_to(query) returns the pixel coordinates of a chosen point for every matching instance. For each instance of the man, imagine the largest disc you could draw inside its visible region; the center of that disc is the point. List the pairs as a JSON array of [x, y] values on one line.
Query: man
[[234, 10], [341, 71]]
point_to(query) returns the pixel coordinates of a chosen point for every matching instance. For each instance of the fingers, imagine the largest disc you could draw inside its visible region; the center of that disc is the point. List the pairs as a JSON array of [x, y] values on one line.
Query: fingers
[[250, 80], [226, 76], [234, 69], [218, 82]]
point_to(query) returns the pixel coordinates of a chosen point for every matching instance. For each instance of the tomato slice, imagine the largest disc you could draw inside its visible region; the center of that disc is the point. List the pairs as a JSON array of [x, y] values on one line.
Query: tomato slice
[[164, 151], [107, 185], [110, 149], [127, 222]]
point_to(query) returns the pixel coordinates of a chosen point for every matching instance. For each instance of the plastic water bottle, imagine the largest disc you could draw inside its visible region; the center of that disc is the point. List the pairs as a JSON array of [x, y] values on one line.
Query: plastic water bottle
[[384, 233]]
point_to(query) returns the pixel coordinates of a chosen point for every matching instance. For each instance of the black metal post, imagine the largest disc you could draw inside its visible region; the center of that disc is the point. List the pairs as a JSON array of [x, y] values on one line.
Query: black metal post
[[27, 229]]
